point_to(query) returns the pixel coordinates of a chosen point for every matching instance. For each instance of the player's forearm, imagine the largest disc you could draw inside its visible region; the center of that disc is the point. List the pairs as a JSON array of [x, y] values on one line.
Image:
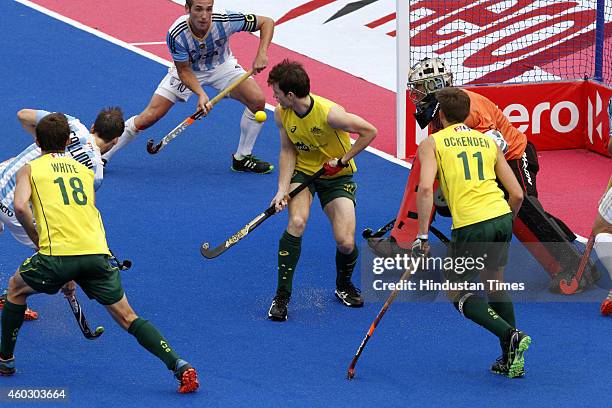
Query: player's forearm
[[286, 164], [424, 207], [27, 118], [363, 141], [190, 80], [24, 215], [266, 32], [515, 201]]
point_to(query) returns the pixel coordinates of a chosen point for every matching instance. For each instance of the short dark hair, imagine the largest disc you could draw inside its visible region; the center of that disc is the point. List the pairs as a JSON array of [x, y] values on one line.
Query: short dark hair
[[454, 102], [52, 132], [290, 77], [188, 4], [109, 124]]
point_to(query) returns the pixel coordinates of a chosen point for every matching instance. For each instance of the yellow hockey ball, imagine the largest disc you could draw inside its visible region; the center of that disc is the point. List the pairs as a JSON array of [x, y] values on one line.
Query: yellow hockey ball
[[261, 116]]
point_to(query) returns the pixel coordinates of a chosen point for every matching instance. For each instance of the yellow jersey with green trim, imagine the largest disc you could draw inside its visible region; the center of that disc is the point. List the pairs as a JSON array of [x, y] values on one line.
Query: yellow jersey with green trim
[[67, 220], [466, 169], [315, 140]]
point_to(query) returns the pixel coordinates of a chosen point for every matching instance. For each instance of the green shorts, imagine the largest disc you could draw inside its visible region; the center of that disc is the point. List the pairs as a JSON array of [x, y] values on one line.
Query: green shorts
[[486, 243], [329, 189], [93, 273]]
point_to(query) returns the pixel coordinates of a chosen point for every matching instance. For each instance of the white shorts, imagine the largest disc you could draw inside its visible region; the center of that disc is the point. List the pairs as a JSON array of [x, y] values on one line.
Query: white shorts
[[7, 217], [605, 207], [219, 78]]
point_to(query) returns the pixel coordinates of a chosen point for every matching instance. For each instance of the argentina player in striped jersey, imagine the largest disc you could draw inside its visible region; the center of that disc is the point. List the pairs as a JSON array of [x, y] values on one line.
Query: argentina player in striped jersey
[[199, 44], [85, 146]]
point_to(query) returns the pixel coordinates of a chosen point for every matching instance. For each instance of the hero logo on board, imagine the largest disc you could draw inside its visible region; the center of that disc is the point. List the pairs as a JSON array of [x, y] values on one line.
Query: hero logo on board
[[563, 116]]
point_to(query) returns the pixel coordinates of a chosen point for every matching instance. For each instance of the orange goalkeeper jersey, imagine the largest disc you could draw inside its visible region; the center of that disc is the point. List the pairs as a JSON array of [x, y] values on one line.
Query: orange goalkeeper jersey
[[485, 115]]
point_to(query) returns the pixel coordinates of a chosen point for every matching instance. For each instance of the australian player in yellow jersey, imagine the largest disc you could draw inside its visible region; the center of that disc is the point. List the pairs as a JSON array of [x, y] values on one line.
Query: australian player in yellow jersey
[[467, 164], [314, 132], [72, 249]]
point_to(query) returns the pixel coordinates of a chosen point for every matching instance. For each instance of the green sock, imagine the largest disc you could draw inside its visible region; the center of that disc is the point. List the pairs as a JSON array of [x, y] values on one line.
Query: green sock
[[345, 264], [289, 249], [476, 309], [12, 319], [149, 338], [502, 304]]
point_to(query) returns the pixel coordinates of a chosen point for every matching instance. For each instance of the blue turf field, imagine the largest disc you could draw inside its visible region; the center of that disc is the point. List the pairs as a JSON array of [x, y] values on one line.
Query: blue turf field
[[157, 210]]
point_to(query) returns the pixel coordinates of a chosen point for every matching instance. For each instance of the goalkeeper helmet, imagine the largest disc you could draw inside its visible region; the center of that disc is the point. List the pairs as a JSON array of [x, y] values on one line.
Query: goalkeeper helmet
[[427, 76]]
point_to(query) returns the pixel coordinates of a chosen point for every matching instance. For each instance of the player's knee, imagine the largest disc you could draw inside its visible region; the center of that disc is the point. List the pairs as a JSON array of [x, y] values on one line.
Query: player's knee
[[15, 286], [346, 246], [148, 118], [256, 103], [297, 225]]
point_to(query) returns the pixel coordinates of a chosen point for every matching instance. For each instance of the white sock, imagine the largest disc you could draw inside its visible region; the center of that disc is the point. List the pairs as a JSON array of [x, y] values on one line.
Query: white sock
[[249, 130], [603, 249], [128, 135]]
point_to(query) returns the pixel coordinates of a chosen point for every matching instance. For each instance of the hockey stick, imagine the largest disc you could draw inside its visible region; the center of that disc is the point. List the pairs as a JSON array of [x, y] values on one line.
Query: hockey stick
[[367, 233], [351, 369], [153, 149], [570, 287], [80, 318], [254, 223]]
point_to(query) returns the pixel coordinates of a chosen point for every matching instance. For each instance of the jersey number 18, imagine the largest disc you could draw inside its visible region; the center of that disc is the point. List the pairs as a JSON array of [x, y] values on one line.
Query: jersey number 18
[[78, 195]]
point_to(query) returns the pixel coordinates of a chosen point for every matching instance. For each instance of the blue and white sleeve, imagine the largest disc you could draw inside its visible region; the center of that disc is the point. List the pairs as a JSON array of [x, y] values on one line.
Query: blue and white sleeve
[[241, 22], [177, 50]]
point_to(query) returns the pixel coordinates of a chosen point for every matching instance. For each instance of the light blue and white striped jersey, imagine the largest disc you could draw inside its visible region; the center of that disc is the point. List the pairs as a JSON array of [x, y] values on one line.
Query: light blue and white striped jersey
[[212, 50], [82, 148]]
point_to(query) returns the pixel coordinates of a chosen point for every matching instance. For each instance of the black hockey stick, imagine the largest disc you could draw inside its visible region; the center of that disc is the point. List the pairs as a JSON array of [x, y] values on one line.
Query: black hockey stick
[[80, 318], [439, 234], [367, 233], [153, 148], [254, 223]]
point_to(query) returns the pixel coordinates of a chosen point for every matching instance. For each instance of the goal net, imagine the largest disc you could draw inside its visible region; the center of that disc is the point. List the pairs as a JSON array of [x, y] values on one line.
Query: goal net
[[502, 41]]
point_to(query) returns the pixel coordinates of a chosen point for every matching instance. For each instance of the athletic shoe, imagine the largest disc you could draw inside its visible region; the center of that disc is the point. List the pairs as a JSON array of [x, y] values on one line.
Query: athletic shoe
[[606, 305], [251, 164], [7, 367], [518, 343], [187, 377], [278, 308], [349, 295], [29, 314], [500, 367]]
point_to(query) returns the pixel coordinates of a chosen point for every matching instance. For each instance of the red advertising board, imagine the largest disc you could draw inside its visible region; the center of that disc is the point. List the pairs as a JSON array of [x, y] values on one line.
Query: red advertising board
[[553, 115]]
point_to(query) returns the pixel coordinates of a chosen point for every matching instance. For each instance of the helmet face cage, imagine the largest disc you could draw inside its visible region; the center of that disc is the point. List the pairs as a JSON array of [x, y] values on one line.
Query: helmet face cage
[[427, 76]]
